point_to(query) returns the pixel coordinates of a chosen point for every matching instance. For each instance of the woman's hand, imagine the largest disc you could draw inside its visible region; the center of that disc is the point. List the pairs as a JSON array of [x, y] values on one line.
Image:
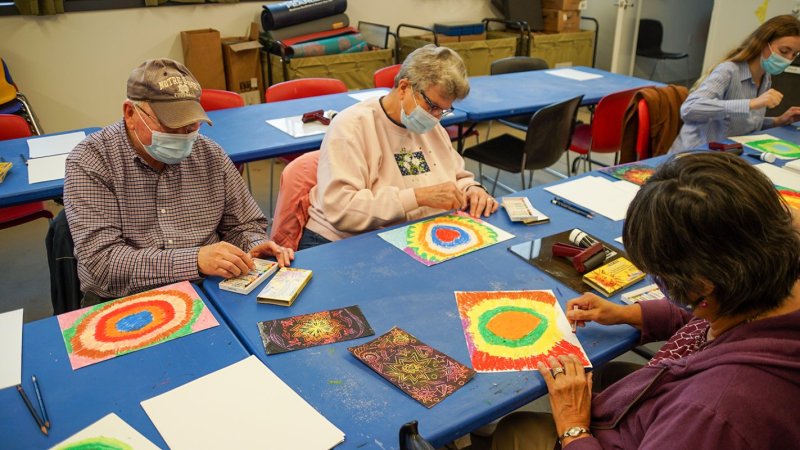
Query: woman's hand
[[789, 116], [769, 99], [480, 202], [570, 389], [444, 196], [596, 309]]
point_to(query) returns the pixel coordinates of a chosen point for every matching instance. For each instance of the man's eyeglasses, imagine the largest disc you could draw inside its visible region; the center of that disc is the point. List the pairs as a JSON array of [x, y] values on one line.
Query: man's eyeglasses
[[434, 108]]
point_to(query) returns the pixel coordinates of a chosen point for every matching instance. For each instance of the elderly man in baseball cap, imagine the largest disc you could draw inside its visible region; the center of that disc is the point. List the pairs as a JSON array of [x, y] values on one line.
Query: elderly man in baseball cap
[[150, 201]]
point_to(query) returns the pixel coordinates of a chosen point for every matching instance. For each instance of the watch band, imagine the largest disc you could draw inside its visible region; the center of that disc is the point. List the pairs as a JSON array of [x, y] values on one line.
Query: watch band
[[574, 432]]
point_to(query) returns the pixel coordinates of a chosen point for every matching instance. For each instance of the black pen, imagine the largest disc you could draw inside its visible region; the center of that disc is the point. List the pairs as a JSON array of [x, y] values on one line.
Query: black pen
[[571, 208], [24, 159], [574, 205], [30, 408], [41, 402]]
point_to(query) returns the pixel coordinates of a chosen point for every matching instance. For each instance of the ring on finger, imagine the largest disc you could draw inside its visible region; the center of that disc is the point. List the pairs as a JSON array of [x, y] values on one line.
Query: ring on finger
[[557, 371]]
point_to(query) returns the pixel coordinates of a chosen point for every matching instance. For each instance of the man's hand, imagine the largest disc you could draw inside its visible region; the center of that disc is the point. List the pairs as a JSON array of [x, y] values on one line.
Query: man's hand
[[769, 99], [224, 260], [444, 196], [284, 255], [480, 202], [789, 116]]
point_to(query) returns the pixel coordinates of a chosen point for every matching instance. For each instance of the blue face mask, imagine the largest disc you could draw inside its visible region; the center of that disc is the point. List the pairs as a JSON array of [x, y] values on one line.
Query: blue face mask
[[419, 121], [775, 64], [168, 148]]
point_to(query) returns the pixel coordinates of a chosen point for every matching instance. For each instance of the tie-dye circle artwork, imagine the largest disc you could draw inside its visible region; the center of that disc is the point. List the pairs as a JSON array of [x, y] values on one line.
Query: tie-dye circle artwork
[[514, 330], [444, 237], [97, 443], [113, 328], [791, 197]]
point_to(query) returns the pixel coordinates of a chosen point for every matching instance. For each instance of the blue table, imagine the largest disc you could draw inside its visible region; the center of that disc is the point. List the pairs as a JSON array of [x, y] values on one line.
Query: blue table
[[76, 399], [244, 134], [16, 189], [496, 96], [392, 289]]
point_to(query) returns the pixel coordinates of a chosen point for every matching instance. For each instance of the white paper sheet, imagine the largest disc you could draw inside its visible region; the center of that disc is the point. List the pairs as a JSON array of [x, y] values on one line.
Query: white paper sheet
[[47, 168], [106, 431], [295, 127], [10, 348], [793, 165], [751, 138], [244, 405], [619, 239], [598, 194], [780, 177], [54, 145], [361, 96], [573, 74]]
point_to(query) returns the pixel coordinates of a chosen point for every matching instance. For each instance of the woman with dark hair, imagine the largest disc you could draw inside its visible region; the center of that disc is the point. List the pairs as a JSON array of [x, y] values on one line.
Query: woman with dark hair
[[734, 98], [728, 257]]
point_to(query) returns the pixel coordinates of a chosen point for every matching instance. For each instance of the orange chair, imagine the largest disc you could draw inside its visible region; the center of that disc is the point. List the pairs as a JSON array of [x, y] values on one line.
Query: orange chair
[[384, 78], [13, 127], [291, 209], [300, 88], [214, 99], [604, 134], [304, 87]]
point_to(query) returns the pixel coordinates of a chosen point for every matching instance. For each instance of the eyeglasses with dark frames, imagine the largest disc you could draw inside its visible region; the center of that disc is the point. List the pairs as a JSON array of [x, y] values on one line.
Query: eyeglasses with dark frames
[[434, 107]]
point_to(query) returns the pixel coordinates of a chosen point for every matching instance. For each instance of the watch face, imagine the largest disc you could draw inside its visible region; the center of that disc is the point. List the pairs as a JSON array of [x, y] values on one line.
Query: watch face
[[574, 431]]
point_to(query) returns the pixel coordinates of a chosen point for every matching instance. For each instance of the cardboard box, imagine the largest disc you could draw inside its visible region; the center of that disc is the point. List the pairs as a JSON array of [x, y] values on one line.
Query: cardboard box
[[202, 55], [559, 20], [243, 72], [564, 5]]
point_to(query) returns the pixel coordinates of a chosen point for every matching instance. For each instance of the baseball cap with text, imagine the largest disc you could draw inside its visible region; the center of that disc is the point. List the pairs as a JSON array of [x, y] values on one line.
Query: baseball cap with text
[[171, 90]]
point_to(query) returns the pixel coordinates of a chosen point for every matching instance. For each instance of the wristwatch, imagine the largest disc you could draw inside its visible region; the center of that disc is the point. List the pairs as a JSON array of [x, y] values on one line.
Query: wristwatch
[[573, 432]]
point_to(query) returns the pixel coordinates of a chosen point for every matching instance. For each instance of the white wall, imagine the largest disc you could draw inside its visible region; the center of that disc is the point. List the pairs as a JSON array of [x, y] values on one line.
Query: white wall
[[73, 67], [733, 20]]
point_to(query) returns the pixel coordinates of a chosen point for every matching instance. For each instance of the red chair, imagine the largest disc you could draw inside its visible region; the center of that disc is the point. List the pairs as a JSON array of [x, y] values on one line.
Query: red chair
[[384, 78], [643, 150], [604, 134], [304, 87], [214, 99], [13, 127]]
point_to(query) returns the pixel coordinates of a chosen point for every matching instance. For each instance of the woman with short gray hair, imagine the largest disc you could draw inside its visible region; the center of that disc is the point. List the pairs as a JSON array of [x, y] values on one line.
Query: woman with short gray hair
[[388, 160]]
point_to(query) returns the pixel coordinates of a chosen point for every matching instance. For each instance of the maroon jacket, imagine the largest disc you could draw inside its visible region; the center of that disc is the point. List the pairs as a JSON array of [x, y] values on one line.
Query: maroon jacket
[[742, 391]]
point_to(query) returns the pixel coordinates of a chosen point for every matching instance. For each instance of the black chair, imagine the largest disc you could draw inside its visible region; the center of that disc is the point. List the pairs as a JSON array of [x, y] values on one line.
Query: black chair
[[651, 35], [65, 291], [548, 137], [510, 65]]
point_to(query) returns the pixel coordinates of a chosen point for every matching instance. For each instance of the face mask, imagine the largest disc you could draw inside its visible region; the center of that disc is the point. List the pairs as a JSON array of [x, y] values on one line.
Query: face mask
[[168, 148], [419, 121], [775, 64]]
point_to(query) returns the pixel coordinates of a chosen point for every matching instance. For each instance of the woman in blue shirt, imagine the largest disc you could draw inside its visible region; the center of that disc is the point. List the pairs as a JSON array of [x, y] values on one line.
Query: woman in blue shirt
[[733, 99]]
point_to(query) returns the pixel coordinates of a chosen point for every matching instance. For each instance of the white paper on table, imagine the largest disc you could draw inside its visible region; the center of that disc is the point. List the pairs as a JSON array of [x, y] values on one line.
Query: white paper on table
[[619, 239], [573, 74], [366, 95], [106, 430], [295, 127], [793, 165], [780, 177], [598, 194], [751, 138], [46, 169], [10, 348], [243, 405], [54, 145]]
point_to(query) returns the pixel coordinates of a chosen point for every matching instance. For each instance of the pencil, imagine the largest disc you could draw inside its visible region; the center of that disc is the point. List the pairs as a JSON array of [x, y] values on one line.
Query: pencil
[[30, 408], [41, 402], [570, 208], [574, 322]]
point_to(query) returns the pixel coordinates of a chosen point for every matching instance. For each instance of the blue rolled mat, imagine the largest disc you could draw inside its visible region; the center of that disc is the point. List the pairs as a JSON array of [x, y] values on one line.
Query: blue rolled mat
[[328, 46], [281, 15]]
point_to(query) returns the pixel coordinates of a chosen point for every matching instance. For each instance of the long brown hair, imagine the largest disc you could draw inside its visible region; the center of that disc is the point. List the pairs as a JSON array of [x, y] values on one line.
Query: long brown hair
[[775, 28]]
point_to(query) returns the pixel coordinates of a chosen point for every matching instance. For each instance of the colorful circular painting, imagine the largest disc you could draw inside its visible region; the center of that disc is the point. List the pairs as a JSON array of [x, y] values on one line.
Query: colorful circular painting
[[514, 330], [131, 323]]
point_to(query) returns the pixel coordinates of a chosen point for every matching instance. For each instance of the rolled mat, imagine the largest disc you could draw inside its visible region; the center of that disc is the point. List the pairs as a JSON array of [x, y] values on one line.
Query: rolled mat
[[281, 15], [329, 46], [337, 22]]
